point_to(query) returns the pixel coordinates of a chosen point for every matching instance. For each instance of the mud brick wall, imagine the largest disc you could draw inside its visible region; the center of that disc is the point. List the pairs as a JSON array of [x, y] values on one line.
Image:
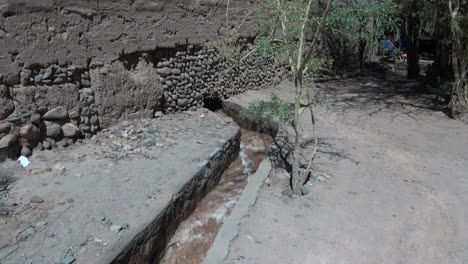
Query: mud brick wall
[[69, 68]]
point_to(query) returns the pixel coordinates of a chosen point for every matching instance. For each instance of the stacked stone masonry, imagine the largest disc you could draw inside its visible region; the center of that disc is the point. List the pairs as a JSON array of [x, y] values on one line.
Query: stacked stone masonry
[[57, 105], [191, 77]]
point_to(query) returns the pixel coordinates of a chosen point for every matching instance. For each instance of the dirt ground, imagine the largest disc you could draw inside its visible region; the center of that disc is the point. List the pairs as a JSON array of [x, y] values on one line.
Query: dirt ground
[[86, 204], [392, 185]]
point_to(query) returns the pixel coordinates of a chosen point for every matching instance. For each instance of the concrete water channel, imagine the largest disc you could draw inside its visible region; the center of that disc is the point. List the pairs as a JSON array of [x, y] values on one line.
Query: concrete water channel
[[196, 234]]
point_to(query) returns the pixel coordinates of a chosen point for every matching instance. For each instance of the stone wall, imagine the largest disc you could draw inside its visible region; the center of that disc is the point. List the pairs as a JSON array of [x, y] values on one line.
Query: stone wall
[[69, 68], [189, 78], [56, 106], [90, 64]]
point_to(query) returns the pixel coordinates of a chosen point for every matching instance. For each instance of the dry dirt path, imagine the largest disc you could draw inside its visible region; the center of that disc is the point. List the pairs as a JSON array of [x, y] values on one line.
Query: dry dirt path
[[398, 191]]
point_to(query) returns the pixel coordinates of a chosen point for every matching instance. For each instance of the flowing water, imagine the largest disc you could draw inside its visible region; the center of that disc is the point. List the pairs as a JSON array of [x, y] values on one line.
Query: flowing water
[[195, 235]]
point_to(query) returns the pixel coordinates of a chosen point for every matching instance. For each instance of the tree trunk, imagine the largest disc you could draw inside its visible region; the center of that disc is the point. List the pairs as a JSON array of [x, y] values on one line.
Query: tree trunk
[[362, 53], [296, 182], [459, 97], [413, 43]]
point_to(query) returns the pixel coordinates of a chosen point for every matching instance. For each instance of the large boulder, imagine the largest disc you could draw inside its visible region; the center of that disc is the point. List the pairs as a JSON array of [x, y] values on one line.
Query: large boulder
[[6, 103]]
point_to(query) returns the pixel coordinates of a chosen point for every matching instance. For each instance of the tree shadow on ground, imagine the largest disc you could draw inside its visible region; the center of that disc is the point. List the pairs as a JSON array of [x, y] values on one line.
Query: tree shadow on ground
[[374, 93]]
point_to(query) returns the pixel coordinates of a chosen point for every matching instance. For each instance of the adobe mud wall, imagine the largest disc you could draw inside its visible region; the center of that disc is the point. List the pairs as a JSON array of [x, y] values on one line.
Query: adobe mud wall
[[70, 68]]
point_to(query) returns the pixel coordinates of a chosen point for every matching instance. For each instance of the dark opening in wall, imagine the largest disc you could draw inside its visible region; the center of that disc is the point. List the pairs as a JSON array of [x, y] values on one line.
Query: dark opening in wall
[[8, 14], [213, 104]]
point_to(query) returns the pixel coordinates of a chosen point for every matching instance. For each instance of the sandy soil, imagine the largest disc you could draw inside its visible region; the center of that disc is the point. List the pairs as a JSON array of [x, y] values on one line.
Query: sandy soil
[[393, 183]]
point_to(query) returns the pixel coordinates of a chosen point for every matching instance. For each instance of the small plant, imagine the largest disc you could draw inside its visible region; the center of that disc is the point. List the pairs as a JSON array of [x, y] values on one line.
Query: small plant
[[275, 109]]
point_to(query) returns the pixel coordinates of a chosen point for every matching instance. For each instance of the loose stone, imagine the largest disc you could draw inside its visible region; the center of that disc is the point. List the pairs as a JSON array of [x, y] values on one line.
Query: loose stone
[[36, 199], [58, 113]]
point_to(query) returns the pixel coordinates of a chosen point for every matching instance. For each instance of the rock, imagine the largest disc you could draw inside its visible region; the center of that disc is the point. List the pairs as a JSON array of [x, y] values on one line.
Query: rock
[[46, 145], [70, 130], [182, 102], [175, 72], [59, 81], [74, 115], [38, 171], [287, 192], [158, 114], [40, 223], [85, 83], [6, 103], [29, 132], [61, 148], [67, 260], [85, 128], [25, 151], [25, 234], [40, 146], [58, 113], [53, 144], [93, 120], [54, 131], [326, 175], [46, 75], [8, 140], [305, 190], [60, 169], [42, 110], [62, 143], [5, 128], [38, 79], [115, 228], [107, 222], [12, 79], [36, 119], [85, 111], [36, 199], [164, 72]]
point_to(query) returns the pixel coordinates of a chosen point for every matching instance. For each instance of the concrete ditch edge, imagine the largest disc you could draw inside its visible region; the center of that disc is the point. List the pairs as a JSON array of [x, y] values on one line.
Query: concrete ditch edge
[[230, 228], [149, 245]]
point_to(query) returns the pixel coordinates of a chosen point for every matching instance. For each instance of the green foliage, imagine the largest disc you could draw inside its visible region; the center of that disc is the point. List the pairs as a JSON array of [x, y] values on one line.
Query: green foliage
[[364, 21], [275, 109], [282, 26]]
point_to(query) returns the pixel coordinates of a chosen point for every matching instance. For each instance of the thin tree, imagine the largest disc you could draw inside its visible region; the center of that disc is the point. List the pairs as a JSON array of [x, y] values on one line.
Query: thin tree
[[295, 32], [458, 22]]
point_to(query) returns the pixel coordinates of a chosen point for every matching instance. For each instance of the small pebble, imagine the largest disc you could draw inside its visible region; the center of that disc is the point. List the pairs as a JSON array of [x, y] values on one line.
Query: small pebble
[[115, 228], [287, 192], [305, 190], [40, 223], [107, 222], [67, 260], [36, 199]]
